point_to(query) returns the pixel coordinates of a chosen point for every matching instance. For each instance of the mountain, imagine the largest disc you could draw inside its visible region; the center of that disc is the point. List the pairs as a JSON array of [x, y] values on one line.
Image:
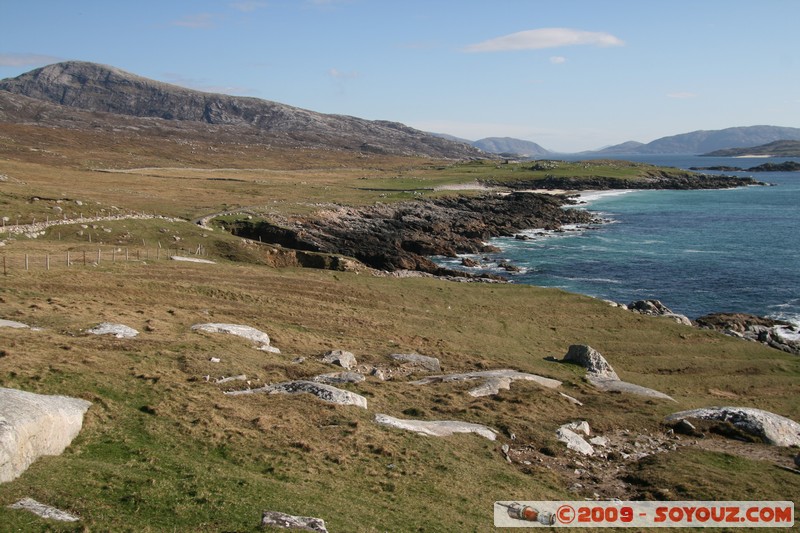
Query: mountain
[[774, 149], [509, 145], [628, 147], [698, 142], [100, 88]]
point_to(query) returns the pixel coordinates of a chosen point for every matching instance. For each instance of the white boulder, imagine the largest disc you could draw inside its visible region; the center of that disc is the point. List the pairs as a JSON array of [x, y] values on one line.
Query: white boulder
[[436, 428], [246, 332], [120, 331], [774, 429], [32, 425]]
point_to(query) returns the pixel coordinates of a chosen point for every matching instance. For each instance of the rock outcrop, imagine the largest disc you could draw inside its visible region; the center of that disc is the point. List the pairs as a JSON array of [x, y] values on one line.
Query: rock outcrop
[[33, 425], [338, 378], [45, 511], [572, 435], [602, 376], [343, 358], [778, 334], [326, 393], [436, 428], [287, 521], [401, 236], [429, 364], [590, 359], [656, 308], [12, 324], [493, 381], [773, 429], [120, 331], [246, 332]]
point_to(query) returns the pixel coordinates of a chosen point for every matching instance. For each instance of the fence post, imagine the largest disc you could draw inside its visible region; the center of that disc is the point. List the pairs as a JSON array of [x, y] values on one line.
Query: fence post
[[98, 256], [26, 262], [47, 261], [84, 258], [113, 255], [5, 272], [126, 255], [68, 262]]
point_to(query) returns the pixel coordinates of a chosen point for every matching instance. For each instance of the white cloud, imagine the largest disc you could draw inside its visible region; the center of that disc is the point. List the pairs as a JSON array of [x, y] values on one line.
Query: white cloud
[[199, 21], [558, 60], [341, 75], [248, 6], [26, 60], [545, 38], [681, 95]]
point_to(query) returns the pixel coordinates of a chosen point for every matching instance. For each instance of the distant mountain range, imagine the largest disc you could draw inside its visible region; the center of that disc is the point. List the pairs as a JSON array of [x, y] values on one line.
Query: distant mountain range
[[701, 142], [696, 142], [94, 88], [774, 149]]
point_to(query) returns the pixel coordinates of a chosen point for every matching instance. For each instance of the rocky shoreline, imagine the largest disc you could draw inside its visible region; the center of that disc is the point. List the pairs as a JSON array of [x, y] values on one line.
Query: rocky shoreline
[[655, 180], [402, 236]]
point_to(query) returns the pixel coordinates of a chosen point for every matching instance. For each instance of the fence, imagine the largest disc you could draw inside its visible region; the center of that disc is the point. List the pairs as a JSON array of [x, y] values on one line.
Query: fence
[[18, 262]]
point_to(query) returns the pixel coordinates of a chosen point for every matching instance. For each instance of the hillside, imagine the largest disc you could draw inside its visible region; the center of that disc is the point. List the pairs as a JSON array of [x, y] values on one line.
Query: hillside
[[100, 88], [511, 146], [699, 142], [774, 149]]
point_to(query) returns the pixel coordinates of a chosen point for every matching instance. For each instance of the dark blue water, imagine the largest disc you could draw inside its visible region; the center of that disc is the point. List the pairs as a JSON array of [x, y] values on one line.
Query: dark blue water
[[696, 251]]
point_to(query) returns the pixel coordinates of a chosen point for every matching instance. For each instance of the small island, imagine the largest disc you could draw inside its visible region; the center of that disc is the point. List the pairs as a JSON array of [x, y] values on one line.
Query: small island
[[788, 166]]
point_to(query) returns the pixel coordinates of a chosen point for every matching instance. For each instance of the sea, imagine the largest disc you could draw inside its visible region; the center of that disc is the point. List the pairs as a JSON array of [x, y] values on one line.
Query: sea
[[698, 252]]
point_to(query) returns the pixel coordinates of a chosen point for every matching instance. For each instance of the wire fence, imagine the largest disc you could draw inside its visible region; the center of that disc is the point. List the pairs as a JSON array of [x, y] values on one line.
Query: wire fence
[[14, 262]]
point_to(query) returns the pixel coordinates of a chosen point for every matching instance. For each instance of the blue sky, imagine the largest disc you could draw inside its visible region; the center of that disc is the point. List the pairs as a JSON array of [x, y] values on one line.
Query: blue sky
[[568, 74]]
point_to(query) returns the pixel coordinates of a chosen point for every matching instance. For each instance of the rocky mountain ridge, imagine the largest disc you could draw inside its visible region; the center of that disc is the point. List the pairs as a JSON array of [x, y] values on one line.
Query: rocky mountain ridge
[[100, 88]]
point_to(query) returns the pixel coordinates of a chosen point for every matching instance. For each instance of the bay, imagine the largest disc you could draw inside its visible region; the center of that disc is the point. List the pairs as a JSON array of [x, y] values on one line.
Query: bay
[[698, 252]]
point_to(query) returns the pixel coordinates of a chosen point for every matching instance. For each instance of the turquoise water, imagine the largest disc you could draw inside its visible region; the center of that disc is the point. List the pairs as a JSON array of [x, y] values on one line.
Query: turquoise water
[[696, 251]]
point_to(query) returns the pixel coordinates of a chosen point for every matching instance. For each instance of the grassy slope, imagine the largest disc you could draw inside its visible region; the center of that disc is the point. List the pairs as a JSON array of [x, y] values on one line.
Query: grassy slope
[[163, 449]]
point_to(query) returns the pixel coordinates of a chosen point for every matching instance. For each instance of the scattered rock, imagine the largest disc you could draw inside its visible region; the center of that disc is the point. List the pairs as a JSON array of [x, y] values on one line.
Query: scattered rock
[[579, 427], [287, 521], [344, 359], [337, 378], [240, 377], [378, 374], [571, 399], [602, 376], [32, 425], [326, 393], [599, 441], [569, 436], [12, 324], [493, 380], [469, 263], [431, 364], [685, 427], [45, 511], [214, 360], [656, 308], [591, 360], [246, 332], [773, 429], [775, 333], [192, 259], [120, 331], [617, 385], [436, 428]]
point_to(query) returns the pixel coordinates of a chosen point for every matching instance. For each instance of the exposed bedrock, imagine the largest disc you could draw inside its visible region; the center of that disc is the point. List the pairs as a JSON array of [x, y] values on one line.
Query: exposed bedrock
[[401, 236]]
